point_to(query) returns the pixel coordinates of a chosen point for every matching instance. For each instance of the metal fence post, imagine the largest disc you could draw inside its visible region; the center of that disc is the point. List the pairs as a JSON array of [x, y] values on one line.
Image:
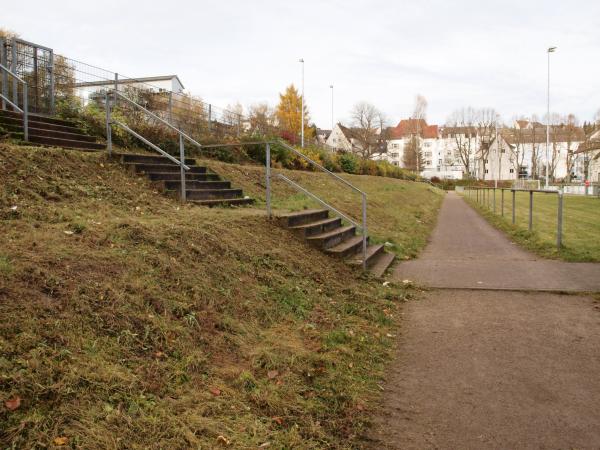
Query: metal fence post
[[530, 210], [514, 195], [116, 84], [25, 112], [2, 53], [14, 69], [502, 202], [494, 200], [559, 221], [182, 169], [268, 178], [364, 231], [108, 125], [52, 81]]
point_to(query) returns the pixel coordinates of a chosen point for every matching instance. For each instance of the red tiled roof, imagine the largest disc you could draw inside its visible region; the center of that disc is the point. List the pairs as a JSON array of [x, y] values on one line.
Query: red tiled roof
[[408, 127]]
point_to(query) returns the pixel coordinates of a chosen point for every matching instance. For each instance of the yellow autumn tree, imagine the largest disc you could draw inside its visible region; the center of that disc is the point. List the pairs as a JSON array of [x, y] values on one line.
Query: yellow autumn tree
[[288, 113]]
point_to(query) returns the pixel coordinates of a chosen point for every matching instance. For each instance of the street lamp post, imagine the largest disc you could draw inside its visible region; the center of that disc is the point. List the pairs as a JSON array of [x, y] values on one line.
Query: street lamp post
[[301, 60], [550, 50], [331, 86]]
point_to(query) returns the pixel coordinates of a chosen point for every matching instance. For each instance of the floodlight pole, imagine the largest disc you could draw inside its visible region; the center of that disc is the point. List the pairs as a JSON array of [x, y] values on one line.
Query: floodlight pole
[[302, 106], [550, 50]]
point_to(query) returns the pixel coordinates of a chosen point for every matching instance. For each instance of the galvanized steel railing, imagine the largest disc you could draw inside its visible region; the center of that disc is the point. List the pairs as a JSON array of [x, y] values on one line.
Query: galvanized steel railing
[[362, 226], [481, 195], [25, 109], [110, 121]]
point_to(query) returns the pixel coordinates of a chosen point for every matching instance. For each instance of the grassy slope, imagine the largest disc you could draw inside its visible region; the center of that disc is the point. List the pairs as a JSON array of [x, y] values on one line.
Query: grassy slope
[[131, 322], [399, 212], [581, 224]]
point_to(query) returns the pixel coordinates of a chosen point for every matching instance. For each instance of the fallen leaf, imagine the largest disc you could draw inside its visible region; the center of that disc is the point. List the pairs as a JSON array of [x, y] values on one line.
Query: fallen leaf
[[223, 440], [272, 374], [215, 391], [278, 420], [13, 403], [13, 208], [159, 355], [61, 440], [68, 232]]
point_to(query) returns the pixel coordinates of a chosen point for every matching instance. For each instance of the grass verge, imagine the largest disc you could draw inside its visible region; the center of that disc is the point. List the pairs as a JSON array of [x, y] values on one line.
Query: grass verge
[[581, 223], [402, 213], [129, 321]]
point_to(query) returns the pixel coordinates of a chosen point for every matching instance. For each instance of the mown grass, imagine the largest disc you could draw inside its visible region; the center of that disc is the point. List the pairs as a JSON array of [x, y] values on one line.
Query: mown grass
[[581, 223], [401, 213], [129, 321]]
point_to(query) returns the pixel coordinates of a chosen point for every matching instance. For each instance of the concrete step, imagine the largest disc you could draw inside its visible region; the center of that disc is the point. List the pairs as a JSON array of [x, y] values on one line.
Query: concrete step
[[195, 185], [373, 252], [18, 122], [320, 226], [210, 194], [224, 202], [67, 143], [331, 238], [61, 135], [162, 168], [346, 248], [175, 176], [37, 118], [302, 217], [382, 263], [149, 159]]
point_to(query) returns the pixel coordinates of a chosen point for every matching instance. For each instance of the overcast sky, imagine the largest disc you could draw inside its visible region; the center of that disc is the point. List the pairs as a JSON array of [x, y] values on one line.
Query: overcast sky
[[455, 53]]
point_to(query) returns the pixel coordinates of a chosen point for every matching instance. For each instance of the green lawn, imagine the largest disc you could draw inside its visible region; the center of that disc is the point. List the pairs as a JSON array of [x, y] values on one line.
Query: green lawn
[[581, 223], [402, 213]]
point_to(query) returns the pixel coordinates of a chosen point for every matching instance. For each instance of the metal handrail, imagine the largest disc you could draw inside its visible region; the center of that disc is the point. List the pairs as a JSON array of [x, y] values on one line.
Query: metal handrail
[[323, 169], [25, 109], [313, 196], [150, 144], [316, 164], [154, 116], [181, 162]]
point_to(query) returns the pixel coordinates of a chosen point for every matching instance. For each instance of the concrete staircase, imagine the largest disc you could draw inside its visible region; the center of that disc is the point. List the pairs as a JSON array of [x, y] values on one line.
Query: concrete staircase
[[48, 131], [331, 236], [201, 186]]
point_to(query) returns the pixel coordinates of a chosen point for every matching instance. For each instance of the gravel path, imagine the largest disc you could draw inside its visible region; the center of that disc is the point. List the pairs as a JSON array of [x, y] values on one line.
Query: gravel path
[[493, 369]]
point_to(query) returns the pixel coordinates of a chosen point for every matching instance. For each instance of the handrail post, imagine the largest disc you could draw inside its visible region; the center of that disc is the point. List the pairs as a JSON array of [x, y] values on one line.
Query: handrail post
[[364, 231], [2, 58], [14, 69], [559, 221], [116, 84], [181, 167], [268, 178], [108, 124], [25, 113], [530, 210], [514, 195]]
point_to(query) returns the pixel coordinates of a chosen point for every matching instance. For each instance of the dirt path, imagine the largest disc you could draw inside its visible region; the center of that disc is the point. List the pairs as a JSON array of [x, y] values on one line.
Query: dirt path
[[467, 252], [480, 369]]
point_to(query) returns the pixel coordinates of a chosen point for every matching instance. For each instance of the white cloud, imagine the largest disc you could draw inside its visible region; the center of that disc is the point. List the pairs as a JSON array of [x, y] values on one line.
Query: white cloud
[[456, 53]]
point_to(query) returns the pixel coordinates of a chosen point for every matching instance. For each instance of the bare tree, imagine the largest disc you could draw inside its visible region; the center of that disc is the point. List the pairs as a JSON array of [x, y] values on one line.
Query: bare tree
[[369, 124], [538, 131], [571, 127], [261, 118], [486, 120], [412, 156], [460, 126]]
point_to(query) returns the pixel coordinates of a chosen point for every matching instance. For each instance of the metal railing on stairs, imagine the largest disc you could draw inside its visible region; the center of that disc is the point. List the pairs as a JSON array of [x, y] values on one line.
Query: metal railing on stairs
[[360, 226], [25, 109], [110, 121], [116, 95]]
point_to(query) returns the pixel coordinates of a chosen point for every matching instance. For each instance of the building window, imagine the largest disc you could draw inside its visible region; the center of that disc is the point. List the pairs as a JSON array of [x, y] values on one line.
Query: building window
[[394, 155], [395, 163], [439, 161], [512, 170], [427, 154], [487, 171], [427, 144]]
